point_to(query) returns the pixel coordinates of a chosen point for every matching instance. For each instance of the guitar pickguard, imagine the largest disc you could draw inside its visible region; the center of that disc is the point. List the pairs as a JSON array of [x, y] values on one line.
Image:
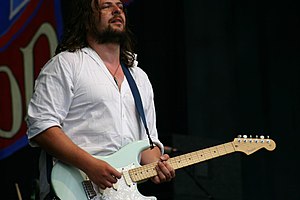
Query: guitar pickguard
[[124, 189]]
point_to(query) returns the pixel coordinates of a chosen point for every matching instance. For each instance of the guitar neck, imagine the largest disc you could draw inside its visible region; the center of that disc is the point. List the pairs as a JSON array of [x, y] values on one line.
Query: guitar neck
[[148, 171]]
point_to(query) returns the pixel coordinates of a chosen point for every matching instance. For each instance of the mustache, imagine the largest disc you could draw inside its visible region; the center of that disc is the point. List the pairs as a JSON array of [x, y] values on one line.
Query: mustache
[[117, 17]]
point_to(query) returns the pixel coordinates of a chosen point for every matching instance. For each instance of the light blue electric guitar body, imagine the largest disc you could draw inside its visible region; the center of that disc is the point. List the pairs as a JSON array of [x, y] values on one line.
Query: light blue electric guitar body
[[67, 180]]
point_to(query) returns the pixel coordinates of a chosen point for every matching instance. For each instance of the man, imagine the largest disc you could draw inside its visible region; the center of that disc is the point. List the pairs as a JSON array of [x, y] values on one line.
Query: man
[[82, 104]]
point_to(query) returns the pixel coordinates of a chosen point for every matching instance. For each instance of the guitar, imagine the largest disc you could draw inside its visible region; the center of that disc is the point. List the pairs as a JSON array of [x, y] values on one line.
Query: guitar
[[71, 183]]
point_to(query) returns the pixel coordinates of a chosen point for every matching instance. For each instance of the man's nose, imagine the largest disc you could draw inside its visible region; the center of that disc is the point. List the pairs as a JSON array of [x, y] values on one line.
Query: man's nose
[[116, 10]]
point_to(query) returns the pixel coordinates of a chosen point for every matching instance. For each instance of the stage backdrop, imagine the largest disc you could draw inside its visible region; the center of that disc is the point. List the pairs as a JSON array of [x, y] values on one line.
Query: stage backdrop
[[29, 34]]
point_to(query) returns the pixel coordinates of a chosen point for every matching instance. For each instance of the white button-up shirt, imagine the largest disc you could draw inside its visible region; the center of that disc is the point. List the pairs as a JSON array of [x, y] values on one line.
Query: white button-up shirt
[[76, 92]]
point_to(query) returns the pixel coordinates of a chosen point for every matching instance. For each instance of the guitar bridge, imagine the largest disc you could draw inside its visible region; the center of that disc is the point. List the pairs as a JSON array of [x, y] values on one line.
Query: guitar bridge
[[89, 189]]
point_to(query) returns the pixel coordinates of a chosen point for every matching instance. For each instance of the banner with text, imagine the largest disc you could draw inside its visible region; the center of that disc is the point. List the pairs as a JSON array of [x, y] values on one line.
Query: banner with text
[[29, 32]]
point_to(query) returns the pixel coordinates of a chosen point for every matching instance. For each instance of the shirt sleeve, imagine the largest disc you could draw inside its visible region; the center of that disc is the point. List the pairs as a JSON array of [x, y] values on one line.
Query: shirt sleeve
[[51, 98]]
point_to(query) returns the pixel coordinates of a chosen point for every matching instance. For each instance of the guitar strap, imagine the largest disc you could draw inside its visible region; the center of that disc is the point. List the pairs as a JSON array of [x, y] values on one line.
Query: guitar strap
[[137, 100]]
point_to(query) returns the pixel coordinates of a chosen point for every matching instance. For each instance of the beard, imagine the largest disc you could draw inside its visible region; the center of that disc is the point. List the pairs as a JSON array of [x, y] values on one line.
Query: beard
[[109, 35]]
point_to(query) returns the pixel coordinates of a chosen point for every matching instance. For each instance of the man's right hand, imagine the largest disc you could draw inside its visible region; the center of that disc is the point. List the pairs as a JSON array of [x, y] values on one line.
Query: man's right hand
[[102, 174]]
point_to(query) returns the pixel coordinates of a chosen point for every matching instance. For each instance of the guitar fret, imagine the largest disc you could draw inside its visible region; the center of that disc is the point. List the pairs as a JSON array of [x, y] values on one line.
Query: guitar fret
[[180, 161], [194, 158], [184, 161], [229, 147], [201, 156], [207, 154], [214, 152], [221, 150], [173, 163]]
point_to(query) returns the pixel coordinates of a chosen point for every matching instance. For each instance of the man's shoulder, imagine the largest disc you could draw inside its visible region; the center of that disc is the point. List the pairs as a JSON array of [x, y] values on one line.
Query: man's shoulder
[[69, 58], [70, 54], [138, 71], [64, 61]]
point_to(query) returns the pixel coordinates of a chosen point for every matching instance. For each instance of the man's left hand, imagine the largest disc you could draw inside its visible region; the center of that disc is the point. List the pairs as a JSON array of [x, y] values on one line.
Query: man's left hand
[[165, 171]]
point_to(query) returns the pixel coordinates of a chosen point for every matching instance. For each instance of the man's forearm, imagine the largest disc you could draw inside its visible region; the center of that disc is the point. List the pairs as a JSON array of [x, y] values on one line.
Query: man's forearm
[[59, 145]]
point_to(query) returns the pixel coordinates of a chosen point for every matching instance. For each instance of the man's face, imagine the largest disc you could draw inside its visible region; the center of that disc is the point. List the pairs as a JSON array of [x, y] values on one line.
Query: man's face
[[109, 16], [112, 15]]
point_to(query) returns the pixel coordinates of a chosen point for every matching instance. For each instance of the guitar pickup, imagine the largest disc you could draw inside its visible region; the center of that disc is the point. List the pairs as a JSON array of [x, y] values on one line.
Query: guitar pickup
[[89, 189]]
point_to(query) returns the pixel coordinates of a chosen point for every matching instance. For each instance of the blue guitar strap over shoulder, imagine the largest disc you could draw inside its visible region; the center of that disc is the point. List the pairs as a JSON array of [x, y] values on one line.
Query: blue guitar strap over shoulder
[[137, 100]]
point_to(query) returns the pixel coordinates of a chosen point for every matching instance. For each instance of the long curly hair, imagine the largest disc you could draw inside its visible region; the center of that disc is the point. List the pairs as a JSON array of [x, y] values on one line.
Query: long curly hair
[[75, 32]]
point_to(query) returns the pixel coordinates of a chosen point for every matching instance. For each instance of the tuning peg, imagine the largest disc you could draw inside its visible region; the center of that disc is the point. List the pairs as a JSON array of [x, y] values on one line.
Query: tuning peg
[[245, 138], [262, 139], [250, 139], [268, 140]]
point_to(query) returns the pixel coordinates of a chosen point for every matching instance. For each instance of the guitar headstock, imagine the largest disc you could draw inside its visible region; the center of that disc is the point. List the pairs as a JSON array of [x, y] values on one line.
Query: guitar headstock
[[251, 145]]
